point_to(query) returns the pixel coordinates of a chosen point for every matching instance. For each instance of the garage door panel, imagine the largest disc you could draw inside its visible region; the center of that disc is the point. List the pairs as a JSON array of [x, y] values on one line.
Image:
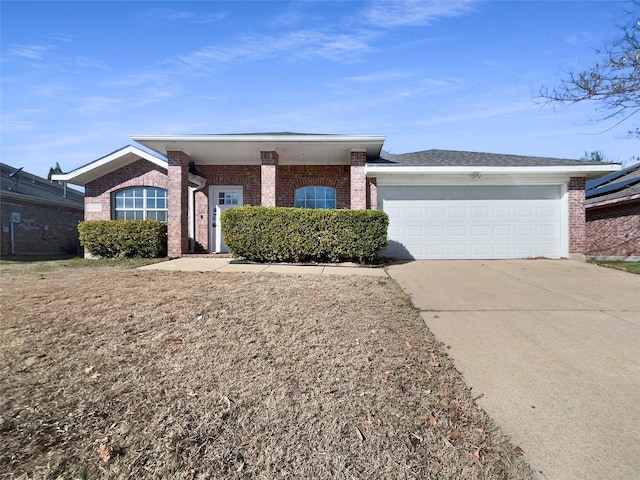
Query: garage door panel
[[472, 224]]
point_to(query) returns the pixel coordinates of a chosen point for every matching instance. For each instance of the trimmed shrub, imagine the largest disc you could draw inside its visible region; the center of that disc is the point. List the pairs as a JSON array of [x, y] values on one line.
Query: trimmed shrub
[[277, 234], [124, 238]]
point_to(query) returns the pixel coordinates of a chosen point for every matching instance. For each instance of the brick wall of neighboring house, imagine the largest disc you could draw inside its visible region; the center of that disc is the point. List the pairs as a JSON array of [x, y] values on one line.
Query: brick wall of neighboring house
[[247, 176], [577, 221], [98, 194], [43, 228], [292, 177], [614, 230]]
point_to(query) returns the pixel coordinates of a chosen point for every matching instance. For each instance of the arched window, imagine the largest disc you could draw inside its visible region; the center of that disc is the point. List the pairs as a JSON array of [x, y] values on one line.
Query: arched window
[[315, 197], [141, 203]]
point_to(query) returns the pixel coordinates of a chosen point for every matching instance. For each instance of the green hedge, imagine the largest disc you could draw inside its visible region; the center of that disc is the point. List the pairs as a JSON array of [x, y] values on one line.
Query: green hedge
[[276, 234], [124, 238]]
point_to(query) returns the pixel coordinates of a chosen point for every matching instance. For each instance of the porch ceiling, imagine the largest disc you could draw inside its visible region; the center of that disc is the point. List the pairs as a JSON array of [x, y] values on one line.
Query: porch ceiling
[[293, 149]]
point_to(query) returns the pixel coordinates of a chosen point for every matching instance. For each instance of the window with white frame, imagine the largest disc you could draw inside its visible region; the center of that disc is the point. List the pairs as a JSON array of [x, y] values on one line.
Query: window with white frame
[[315, 197], [141, 203]]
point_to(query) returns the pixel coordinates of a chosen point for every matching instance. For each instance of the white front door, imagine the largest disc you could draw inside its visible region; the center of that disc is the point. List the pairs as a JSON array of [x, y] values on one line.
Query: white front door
[[221, 197]]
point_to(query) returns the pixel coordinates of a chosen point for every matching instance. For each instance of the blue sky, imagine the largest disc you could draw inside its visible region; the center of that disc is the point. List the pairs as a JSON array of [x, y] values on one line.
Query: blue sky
[[78, 78]]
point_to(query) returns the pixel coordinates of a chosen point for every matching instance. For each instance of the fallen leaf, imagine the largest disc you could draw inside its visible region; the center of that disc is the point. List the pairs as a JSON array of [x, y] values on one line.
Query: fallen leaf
[[415, 440], [104, 452], [432, 419], [191, 394], [475, 455], [519, 450], [455, 434], [360, 434], [88, 370], [95, 375], [408, 345]]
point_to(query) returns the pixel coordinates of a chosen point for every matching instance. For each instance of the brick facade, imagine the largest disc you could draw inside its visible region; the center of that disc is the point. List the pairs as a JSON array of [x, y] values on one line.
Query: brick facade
[[372, 193], [577, 220], [358, 160], [292, 177], [614, 230], [177, 204], [268, 174], [98, 193], [43, 229]]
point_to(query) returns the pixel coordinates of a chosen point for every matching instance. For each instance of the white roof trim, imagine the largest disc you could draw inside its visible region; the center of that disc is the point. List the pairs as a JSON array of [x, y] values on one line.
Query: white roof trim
[[100, 167], [298, 138], [560, 169]]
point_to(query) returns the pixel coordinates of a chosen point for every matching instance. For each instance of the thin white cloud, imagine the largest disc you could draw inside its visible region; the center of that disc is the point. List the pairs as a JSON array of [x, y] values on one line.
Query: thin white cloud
[[33, 52], [381, 76], [173, 15], [96, 104], [414, 12], [293, 45], [479, 112]]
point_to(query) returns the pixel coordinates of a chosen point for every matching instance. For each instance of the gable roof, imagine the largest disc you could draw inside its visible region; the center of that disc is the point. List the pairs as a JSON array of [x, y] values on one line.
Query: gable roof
[[107, 164], [615, 187], [22, 185]]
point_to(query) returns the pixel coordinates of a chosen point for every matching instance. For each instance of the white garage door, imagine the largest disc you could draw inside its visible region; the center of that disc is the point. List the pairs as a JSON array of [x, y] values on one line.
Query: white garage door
[[472, 222]]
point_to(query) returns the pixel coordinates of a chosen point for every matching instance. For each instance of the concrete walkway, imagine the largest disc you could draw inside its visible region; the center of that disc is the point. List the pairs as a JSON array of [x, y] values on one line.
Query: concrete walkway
[[553, 349], [217, 264]]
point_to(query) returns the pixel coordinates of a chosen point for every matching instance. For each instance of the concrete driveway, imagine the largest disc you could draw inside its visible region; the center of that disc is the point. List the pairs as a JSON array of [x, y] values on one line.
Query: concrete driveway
[[553, 347]]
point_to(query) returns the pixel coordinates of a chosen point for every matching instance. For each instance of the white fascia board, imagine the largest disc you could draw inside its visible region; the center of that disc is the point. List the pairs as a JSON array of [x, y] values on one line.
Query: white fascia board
[[262, 138], [579, 170], [100, 167]]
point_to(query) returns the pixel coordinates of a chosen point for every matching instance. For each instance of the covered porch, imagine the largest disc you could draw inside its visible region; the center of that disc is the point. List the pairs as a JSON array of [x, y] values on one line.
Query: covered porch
[[257, 169]]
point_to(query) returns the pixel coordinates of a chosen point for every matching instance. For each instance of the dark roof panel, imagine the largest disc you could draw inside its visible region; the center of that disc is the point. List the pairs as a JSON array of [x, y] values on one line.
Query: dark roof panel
[[14, 181], [622, 184], [453, 158]]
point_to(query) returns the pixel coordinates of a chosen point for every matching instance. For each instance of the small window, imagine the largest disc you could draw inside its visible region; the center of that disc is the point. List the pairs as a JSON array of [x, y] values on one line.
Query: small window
[[141, 203], [315, 197]]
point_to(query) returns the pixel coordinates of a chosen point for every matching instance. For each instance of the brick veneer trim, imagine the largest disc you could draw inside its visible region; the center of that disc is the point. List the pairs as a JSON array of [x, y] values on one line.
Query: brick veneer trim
[[577, 220]]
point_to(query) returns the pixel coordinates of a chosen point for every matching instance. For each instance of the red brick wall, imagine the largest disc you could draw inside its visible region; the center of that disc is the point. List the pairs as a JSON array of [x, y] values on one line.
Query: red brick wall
[[137, 174], [268, 178], [292, 177], [45, 229], [372, 193], [577, 221], [614, 230], [358, 180], [177, 203]]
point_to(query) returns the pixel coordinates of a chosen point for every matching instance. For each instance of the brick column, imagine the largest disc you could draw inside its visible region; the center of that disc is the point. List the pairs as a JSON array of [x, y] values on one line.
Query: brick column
[[358, 158], [372, 193], [577, 216], [269, 162], [178, 204]]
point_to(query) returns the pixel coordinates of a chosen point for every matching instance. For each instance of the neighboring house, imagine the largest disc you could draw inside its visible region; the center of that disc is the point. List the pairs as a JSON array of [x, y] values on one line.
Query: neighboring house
[[38, 216], [613, 215], [441, 204]]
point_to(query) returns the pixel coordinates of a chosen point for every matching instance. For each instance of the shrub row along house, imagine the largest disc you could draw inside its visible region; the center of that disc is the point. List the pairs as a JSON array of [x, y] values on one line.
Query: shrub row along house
[[441, 204]]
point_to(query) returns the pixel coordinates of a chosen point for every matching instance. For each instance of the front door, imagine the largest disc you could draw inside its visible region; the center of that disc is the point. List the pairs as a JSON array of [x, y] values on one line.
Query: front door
[[222, 197]]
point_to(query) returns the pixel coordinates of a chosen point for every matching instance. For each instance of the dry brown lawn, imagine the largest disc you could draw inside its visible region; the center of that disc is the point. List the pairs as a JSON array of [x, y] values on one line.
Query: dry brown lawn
[[110, 372]]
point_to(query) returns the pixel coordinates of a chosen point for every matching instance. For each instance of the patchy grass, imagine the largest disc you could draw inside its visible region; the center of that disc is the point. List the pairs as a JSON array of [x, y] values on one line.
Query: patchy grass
[[47, 263], [631, 267], [110, 372]]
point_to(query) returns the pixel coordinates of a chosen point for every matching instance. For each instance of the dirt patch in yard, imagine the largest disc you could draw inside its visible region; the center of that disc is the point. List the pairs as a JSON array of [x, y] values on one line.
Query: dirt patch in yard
[[114, 373]]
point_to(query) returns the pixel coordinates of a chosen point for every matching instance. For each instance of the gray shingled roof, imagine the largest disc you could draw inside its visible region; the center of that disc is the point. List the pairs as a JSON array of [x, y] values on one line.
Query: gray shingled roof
[[28, 186], [622, 184], [452, 158]]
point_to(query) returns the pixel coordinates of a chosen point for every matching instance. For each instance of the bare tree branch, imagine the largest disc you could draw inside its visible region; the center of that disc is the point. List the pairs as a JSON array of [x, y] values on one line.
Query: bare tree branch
[[613, 82]]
